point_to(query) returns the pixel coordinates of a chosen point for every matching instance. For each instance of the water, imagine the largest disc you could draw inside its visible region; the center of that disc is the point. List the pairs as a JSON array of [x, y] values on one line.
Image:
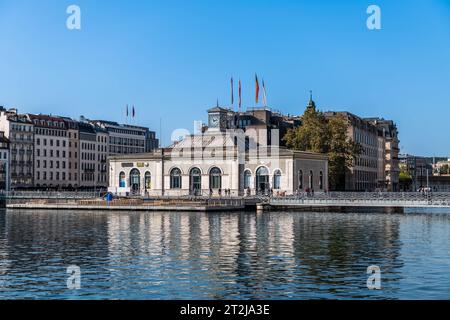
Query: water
[[224, 256]]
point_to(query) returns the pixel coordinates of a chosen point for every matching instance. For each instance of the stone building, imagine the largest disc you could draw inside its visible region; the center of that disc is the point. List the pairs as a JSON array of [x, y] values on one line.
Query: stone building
[[210, 163], [377, 167], [5, 174], [19, 130], [51, 151], [127, 139]]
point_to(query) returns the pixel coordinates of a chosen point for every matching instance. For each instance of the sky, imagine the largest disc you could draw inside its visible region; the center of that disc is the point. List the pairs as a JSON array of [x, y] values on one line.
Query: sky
[[174, 59]]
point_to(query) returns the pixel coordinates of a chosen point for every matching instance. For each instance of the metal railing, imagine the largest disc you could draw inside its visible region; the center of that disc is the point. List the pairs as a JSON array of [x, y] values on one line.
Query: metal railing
[[406, 199], [8, 195]]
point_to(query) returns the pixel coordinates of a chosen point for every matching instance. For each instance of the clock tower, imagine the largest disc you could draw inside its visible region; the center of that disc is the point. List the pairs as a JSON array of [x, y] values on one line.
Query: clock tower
[[217, 119]]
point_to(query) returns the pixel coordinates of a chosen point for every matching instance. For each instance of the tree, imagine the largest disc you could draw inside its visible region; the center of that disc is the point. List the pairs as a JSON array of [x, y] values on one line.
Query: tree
[[317, 134], [405, 179]]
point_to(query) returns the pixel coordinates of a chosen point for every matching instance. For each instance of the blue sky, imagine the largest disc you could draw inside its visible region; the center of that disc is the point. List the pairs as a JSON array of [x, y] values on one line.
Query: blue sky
[[173, 59]]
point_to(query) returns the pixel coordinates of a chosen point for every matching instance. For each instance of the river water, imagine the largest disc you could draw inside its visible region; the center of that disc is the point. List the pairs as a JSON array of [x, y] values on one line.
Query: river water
[[224, 256]]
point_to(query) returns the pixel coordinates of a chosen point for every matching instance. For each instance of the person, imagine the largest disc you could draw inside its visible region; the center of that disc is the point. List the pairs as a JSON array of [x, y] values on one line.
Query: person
[[220, 192], [210, 192]]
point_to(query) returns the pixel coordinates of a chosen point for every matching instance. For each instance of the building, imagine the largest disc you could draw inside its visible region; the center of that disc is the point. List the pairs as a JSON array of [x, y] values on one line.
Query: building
[[19, 130], [367, 173], [389, 133], [263, 125], [5, 174], [217, 160], [439, 183], [377, 167], [51, 141], [73, 160], [419, 168], [127, 139]]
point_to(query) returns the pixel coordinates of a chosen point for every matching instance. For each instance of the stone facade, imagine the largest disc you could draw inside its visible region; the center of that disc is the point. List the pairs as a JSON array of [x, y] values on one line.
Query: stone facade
[[211, 163]]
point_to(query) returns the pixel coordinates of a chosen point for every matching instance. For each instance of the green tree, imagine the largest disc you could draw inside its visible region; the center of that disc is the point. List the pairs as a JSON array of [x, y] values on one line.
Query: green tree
[[317, 134]]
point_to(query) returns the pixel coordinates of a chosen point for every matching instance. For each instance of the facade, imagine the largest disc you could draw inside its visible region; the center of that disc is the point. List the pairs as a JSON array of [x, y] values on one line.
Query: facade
[[19, 130], [262, 125], [210, 163], [51, 140], [377, 167], [5, 176], [439, 183], [367, 173], [419, 168], [389, 133], [127, 139], [73, 159]]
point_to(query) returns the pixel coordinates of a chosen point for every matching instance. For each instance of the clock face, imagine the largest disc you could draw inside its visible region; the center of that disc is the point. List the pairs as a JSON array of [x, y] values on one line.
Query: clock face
[[214, 121]]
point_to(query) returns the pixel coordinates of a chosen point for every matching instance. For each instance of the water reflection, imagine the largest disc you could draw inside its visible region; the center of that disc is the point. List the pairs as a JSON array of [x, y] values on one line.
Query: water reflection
[[222, 256]]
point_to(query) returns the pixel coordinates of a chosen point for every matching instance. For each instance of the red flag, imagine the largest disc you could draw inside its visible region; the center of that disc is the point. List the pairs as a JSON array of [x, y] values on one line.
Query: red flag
[[240, 95], [257, 89]]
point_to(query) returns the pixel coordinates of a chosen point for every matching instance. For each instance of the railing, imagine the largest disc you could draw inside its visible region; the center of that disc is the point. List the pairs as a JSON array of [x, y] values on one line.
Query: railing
[[50, 195], [407, 199]]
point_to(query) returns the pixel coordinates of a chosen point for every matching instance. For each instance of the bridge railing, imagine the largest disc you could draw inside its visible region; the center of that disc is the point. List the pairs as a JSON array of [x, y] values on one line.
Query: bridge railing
[[391, 198]]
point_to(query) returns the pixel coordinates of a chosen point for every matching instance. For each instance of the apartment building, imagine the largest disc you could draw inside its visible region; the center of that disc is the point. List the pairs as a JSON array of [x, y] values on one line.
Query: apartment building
[[19, 130], [102, 157], [389, 133], [5, 177], [51, 152], [73, 161], [127, 139], [365, 173]]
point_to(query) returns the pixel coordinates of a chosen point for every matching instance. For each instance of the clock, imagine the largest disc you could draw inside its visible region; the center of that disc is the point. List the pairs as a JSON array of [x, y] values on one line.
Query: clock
[[214, 121]]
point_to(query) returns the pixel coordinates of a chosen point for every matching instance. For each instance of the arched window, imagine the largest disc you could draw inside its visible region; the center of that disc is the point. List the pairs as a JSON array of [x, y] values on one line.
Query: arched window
[[135, 180], [321, 180], [300, 180], [175, 179], [122, 180], [215, 178], [195, 181], [277, 180], [247, 179], [148, 180], [262, 180], [311, 180]]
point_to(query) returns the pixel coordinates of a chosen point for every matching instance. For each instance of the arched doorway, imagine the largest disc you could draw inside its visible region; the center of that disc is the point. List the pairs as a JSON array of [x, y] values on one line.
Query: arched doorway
[[195, 182], [135, 181], [262, 180]]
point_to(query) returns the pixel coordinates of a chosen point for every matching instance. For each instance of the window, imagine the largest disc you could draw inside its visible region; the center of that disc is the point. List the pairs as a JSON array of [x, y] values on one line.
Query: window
[[321, 181], [247, 179], [311, 180], [215, 178], [277, 180], [300, 180], [122, 182], [148, 180], [195, 181], [135, 180], [175, 179]]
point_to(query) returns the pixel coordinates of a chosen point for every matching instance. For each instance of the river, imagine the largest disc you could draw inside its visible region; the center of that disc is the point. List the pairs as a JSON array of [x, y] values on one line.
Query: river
[[242, 255]]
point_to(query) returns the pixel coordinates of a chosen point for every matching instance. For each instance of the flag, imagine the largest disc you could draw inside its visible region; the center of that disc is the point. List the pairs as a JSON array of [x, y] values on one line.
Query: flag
[[240, 95], [232, 91], [133, 112], [257, 89], [127, 112], [264, 93]]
